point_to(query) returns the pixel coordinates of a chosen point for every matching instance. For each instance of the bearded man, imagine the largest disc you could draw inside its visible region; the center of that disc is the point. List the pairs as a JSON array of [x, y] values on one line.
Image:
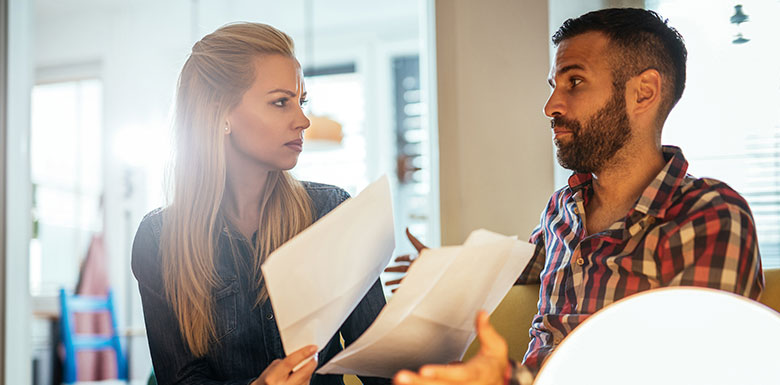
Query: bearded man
[[631, 218]]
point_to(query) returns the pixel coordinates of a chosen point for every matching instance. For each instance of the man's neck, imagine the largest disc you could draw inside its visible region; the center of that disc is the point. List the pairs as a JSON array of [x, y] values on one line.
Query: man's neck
[[616, 188]]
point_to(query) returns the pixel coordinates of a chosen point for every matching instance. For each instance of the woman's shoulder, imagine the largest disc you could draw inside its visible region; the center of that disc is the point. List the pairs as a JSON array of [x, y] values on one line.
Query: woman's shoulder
[[152, 222], [325, 197], [145, 259]]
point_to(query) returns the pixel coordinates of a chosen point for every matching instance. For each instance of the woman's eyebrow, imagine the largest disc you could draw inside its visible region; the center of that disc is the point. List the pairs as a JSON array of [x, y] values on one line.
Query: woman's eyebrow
[[284, 91]]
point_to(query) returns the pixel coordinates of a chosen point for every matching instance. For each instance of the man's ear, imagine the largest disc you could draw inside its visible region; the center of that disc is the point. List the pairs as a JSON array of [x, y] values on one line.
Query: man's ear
[[646, 95]]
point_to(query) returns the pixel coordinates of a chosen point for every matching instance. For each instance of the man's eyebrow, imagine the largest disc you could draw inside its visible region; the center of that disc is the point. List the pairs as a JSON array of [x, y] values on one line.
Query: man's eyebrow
[[565, 69], [284, 91], [570, 67]]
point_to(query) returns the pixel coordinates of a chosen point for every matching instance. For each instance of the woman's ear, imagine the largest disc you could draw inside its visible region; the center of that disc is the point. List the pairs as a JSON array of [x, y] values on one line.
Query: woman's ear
[[227, 128]]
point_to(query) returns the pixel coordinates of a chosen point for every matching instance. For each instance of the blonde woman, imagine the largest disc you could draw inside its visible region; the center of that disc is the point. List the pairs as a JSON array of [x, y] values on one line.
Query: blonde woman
[[238, 128]]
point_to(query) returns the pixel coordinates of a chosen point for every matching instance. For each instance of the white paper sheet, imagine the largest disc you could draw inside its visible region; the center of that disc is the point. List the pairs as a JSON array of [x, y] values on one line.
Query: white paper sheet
[[430, 319], [318, 277]]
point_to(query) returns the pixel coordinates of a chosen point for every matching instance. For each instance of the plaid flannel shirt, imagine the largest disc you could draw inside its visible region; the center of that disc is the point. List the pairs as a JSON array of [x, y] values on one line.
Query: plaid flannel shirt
[[682, 231]]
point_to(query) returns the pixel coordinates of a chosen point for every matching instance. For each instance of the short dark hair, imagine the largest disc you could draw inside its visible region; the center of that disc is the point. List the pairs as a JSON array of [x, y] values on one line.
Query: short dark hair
[[643, 40]]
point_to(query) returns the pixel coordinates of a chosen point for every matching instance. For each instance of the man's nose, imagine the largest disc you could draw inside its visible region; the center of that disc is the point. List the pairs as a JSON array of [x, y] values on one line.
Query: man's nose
[[554, 105]]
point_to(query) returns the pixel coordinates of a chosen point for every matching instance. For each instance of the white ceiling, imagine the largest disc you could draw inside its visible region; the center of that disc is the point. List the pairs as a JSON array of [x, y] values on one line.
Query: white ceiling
[[327, 14]]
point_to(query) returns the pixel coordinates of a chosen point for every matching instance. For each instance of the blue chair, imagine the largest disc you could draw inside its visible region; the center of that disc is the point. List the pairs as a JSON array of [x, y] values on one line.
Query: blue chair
[[70, 304]]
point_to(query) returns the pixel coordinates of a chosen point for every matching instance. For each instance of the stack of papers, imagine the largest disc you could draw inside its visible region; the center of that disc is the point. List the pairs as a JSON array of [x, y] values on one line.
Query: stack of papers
[[316, 280], [430, 319]]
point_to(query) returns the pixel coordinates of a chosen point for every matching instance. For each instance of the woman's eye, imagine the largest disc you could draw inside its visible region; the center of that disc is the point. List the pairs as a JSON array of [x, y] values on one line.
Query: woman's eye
[[280, 102], [304, 101]]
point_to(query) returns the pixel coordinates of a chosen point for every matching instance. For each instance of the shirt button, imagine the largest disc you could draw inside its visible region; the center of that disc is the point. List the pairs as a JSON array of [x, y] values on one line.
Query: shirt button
[[580, 261], [269, 316]]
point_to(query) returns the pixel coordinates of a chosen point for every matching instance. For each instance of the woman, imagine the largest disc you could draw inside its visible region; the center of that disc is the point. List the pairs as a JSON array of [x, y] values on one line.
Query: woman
[[238, 128]]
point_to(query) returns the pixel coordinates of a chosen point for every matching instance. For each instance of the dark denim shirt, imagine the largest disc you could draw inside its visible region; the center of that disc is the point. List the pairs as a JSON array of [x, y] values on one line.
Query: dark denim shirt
[[247, 337]]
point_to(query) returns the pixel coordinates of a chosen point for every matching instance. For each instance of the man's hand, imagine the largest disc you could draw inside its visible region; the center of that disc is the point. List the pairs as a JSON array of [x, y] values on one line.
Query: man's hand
[[280, 372], [404, 261], [489, 367]]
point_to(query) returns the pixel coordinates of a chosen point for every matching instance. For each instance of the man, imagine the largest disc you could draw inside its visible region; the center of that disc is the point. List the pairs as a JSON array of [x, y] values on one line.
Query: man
[[630, 219]]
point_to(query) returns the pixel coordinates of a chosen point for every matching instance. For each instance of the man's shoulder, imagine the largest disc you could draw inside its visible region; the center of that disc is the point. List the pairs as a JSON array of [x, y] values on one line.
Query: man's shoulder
[[709, 193]]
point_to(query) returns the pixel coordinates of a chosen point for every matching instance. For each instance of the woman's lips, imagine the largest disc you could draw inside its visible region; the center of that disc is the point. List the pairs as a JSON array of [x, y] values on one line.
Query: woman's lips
[[296, 145]]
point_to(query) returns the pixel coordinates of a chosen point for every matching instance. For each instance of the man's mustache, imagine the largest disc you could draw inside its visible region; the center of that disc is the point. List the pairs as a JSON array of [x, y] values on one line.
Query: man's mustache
[[561, 122]]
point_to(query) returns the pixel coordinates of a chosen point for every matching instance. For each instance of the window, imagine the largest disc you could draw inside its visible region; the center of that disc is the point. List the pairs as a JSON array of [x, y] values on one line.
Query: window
[[338, 97], [66, 172], [357, 159], [413, 199], [726, 121]]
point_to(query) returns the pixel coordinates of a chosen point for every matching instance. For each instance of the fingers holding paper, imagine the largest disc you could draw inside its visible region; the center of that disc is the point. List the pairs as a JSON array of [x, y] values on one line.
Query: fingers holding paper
[[489, 366], [287, 372]]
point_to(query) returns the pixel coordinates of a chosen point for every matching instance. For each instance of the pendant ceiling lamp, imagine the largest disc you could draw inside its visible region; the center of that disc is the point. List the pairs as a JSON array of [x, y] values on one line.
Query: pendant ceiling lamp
[[323, 132], [738, 18]]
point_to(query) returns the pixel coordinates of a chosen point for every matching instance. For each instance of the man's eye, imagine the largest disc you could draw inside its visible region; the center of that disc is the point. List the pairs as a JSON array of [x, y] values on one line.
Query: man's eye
[[575, 82], [280, 102]]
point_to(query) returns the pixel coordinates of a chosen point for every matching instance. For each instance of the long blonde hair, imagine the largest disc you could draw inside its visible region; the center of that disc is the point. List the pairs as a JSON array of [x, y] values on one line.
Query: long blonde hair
[[213, 80]]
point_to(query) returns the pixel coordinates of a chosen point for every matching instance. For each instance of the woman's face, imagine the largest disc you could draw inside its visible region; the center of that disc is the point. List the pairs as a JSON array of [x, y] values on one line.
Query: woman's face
[[266, 128]]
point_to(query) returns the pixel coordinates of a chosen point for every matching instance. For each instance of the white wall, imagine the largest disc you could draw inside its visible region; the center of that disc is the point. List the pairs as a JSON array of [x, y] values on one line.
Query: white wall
[[18, 195], [494, 142]]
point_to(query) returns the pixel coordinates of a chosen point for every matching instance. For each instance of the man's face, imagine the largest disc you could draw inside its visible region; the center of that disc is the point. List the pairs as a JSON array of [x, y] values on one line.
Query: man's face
[[588, 114]]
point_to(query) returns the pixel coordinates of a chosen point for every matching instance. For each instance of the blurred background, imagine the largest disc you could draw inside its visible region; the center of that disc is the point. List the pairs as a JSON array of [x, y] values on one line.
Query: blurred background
[[104, 77], [443, 96]]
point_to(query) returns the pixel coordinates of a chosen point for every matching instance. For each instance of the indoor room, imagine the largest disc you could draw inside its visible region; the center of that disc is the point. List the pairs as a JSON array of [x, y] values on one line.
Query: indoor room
[[447, 102]]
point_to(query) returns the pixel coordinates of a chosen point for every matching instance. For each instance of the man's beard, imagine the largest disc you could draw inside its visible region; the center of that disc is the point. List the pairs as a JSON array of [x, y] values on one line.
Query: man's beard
[[591, 147]]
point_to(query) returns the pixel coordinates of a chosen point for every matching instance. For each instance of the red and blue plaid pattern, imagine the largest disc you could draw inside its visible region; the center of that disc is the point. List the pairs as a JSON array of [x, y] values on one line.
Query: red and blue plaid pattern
[[682, 231]]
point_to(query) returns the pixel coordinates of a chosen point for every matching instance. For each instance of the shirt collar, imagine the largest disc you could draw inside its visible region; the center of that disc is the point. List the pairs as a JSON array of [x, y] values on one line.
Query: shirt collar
[[657, 196], [578, 181]]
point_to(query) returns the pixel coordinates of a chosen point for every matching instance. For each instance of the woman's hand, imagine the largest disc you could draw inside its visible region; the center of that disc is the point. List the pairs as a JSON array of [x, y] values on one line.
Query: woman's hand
[[404, 261], [280, 372]]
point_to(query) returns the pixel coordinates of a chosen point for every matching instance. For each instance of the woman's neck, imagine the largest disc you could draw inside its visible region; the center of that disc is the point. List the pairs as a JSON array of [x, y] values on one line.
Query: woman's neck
[[244, 194], [245, 186]]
